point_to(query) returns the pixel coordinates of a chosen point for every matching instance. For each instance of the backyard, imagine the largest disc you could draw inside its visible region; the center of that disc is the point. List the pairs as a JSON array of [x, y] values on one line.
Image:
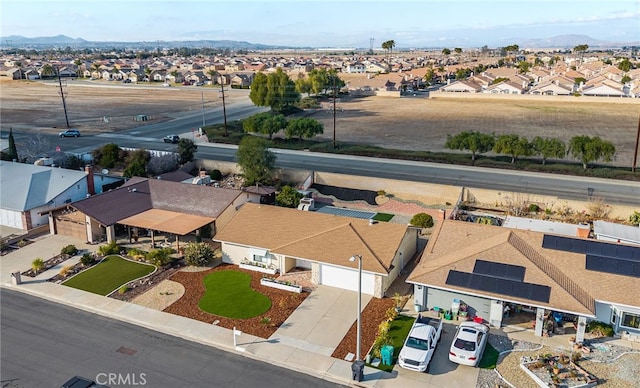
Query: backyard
[[109, 275]]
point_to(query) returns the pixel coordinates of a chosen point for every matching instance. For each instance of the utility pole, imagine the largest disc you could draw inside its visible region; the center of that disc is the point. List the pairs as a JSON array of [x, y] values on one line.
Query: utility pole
[[334, 111], [635, 152], [224, 109], [64, 103]]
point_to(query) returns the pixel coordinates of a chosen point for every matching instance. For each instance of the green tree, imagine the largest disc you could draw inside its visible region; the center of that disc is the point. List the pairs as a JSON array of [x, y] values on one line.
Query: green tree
[[37, 264], [137, 163], [548, 148], [256, 160], [303, 84], [47, 71], [288, 197], [625, 65], [458, 50], [625, 79], [108, 156], [579, 80], [388, 46], [591, 149], [198, 254], [303, 127], [253, 123], [273, 124], [429, 76], [13, 150], [512, 145], [213, 74], [186, 150], [524, 67], [446, 51], [275, 90], [635, 218], [422, 220], [474, 141], [581, 49]]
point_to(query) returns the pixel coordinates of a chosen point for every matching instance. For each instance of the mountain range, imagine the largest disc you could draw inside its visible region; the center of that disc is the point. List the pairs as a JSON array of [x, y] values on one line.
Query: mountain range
[[59, 41]]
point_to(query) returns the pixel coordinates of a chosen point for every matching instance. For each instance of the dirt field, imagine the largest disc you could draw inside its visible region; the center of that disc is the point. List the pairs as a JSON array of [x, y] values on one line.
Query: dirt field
[[403, 123]]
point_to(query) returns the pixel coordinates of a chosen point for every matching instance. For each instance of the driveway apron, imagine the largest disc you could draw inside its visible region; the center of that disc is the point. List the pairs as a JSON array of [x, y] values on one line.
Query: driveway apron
[[321, 321]]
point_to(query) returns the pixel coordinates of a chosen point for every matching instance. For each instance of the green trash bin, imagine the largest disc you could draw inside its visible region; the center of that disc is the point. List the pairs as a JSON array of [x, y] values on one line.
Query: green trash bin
[[387, 354]]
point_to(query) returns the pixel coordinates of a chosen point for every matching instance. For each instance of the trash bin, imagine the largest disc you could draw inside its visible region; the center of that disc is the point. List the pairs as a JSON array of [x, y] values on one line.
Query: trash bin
[[417, 307], [15, 278], [387, 354], [357, 370]]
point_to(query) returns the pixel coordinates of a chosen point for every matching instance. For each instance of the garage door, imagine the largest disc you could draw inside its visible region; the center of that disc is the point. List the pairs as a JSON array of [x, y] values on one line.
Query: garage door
[[346, 279], [11, 218]]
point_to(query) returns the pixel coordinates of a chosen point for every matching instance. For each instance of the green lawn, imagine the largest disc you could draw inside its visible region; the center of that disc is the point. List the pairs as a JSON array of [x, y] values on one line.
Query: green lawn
[[229, 294], [398, 332], [109, 275], [489, 358], [384, 217]]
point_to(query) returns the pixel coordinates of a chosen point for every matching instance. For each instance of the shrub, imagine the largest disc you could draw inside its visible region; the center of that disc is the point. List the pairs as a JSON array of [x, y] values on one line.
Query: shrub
[[215, 175], [159, 257], [109, 249], [533, 208], [123, 289], [64, 271], [136, 254], [600, 329], [635, 218], [70, 250], [391, 314], [37, 264], [198, 254], [22, 243], [422, 220], [266, 321], [381, 193], [87, 259]]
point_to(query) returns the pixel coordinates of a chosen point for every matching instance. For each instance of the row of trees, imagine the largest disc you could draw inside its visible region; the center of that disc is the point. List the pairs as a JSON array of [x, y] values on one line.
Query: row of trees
[[583, 148], [269, 124]]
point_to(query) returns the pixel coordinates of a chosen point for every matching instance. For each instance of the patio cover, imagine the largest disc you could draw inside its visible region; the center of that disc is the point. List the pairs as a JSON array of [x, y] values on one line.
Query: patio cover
[[167, 221]]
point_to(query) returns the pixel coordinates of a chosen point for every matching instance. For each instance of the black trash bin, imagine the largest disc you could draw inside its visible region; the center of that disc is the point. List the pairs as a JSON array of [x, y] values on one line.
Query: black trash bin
[[357, 370]]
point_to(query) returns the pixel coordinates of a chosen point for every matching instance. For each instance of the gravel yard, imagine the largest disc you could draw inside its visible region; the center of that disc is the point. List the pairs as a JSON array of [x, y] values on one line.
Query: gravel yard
[[614, 366]]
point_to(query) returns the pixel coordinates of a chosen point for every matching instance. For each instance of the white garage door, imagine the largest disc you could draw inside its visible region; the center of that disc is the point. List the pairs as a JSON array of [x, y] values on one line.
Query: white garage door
[[11, 218], [346, 278]]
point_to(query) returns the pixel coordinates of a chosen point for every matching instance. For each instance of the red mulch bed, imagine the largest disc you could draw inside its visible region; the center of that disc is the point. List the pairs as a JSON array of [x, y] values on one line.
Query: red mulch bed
[[372, 315], [283, 303]]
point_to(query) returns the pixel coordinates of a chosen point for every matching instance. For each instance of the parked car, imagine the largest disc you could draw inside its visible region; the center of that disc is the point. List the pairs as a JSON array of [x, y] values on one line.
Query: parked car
[[199, 83], [421, 343], [174, 139], [78, 382], [469, 343], [166, 85], [70, 133]]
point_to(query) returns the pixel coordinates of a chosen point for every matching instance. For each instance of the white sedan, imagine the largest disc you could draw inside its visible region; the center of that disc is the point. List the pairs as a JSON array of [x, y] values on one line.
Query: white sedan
[[469, 343]]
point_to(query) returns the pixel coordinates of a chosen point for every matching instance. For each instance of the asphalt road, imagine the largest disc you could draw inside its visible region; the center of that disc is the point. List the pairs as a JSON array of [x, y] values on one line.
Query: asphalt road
[[44, 344], [563, 186]]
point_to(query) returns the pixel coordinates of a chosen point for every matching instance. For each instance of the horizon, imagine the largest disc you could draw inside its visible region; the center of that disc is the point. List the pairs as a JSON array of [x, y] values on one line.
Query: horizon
[[289, 23]]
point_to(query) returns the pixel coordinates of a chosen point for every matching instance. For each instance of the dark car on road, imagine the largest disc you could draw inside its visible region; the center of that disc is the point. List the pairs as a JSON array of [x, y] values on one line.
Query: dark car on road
[[70, 133], [174, 139], [79, 382]]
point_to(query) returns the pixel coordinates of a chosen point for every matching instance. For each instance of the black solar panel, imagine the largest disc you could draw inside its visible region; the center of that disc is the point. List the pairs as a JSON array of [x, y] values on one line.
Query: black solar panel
[[499, 270], [612, 265], [591, 247], [494, 285]]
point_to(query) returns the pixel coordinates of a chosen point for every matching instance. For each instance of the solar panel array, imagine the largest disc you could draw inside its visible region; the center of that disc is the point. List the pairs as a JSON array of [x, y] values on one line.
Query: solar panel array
[[600, 256], [496, 285], [499, 270]]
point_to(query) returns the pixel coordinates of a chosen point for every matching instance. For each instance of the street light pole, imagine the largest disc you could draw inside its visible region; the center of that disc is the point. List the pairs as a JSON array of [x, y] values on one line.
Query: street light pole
[[353, 258]]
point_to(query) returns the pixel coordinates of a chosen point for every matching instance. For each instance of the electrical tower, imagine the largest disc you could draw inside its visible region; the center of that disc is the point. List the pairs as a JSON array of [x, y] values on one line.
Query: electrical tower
[[371, 40]]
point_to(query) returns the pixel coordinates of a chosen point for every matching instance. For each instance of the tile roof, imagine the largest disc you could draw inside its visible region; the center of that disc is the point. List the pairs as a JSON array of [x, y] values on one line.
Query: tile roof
[[314, 236], [456, 245]]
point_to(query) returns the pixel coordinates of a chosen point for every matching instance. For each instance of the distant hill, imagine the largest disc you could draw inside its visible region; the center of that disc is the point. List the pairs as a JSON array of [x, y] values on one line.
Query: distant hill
[[567, 41], [63, 41]]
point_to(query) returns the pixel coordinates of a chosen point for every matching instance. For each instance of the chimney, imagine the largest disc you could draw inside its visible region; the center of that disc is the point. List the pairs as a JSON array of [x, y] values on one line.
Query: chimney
[[90, 184], [203, 173], [442, 214]]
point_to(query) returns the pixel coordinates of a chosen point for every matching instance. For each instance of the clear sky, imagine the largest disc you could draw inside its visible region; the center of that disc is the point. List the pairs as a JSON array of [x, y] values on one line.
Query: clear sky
[[328, 23]]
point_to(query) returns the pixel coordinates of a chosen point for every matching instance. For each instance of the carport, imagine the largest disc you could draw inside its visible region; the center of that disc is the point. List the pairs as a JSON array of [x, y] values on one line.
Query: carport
[[166, 221]]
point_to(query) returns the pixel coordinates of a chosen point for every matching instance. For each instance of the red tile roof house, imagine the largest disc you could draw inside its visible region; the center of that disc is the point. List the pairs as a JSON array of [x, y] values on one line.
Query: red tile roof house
[[160, 205], [281, 239], [485, 266]]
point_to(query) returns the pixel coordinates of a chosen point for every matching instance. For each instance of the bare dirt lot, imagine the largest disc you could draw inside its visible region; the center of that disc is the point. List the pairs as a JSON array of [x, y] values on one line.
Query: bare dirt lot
[[412, 123]]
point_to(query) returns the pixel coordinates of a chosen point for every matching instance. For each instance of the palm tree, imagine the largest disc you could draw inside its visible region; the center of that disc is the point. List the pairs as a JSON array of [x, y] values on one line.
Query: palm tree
[[213, 74], [147, 72], [389, 45], [96, 68]]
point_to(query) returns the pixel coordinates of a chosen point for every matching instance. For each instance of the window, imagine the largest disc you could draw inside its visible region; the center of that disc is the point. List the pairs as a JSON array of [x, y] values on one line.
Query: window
[[630, 320]]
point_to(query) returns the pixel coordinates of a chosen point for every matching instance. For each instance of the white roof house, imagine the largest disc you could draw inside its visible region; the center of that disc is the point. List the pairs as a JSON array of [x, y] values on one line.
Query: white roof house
[[610, 231], [545, 226], [27, 189]]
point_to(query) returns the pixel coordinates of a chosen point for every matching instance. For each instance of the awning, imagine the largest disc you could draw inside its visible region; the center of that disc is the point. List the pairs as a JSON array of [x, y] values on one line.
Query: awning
[[167, 221]]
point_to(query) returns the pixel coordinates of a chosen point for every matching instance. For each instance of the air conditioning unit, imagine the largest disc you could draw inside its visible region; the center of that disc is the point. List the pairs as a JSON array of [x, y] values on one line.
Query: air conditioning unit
[[306, 204]]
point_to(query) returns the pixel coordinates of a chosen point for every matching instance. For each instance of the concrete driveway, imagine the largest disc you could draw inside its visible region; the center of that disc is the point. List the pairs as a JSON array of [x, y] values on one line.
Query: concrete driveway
[[442, 372], [321, 321]]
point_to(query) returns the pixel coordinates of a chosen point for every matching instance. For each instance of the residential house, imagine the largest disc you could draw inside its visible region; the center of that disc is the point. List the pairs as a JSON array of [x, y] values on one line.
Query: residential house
[[488, 267], [607, 88], [151, 204], [283, 239], [27, 190], [461, 86], [506, 87], [551, 88]]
